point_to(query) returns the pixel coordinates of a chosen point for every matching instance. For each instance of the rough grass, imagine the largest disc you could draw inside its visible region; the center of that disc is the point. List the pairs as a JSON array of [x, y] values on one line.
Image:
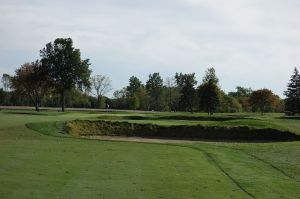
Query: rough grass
[[274, 121], [217, 132], [40, 165]]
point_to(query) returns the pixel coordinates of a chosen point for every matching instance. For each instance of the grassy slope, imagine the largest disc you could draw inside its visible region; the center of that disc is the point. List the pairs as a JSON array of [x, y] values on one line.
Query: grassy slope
[[269, 120], [34, 165]]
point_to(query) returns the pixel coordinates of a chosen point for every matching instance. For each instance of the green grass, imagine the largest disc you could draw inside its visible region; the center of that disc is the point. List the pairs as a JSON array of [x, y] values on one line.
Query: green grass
[[53, 165]]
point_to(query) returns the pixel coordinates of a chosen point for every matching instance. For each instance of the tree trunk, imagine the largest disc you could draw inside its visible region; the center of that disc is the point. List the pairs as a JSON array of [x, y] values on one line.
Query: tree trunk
[[99, 101], [35, 101], [62, 101], [262, 110], [36, 104], [170, 99]]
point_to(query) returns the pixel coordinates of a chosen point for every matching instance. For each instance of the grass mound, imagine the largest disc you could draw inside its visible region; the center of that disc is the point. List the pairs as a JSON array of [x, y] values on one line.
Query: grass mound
[[123, 128], [49, 128]]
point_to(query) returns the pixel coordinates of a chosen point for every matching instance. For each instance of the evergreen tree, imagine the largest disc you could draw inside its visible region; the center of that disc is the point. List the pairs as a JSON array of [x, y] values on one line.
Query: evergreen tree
[[186, 83], [154, 87], [209, 92], [209, 98], [292, 102]]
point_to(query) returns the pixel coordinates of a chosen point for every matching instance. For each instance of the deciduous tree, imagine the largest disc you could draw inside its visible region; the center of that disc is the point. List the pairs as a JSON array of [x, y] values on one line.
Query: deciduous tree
[[6, 82], [261, 99], [210, 75], [134, 85], [65, 67], [30, 80], [101, 85], [242, 95], [171, 93]]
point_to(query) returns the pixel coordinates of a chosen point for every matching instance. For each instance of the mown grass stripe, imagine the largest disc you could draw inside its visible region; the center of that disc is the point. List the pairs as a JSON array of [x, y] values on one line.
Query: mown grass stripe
[[215, 163], [265, 162]]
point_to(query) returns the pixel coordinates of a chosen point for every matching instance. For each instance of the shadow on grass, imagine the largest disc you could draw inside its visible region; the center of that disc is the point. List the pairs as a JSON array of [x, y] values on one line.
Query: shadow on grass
[[289, 117], [178, 117], [197, 132], [43, 113]]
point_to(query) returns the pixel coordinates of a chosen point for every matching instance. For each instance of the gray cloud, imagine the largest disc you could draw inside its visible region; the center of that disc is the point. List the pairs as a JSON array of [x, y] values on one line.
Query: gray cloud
[[253, 43]]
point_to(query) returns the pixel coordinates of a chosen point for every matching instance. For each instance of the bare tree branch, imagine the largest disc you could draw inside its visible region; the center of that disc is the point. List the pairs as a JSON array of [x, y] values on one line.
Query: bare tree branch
[[101, 85]]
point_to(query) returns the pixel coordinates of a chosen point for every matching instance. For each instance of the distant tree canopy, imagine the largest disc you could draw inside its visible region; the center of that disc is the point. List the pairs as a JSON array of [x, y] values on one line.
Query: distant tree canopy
[[241, 92], [292, 101], [229, 104], [133, 90], [62, 62], [242, 95], [262, 99], [210, 75], [171, 94], [134, 85]]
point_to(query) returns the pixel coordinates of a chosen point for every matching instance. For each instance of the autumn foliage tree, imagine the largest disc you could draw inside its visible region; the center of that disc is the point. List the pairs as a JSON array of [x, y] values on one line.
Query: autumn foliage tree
[[30, 80], [261, 99]]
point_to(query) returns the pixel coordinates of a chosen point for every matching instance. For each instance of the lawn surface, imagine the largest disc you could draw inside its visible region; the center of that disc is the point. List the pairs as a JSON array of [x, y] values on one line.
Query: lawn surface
[[53, 165]]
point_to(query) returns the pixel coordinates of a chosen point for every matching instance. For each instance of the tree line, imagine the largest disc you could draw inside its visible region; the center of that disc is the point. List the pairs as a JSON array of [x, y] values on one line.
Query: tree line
[[181, 93], [62, 78]]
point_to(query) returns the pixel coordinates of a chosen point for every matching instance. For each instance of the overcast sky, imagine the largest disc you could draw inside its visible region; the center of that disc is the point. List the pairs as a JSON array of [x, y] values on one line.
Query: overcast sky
[[251, 43]]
